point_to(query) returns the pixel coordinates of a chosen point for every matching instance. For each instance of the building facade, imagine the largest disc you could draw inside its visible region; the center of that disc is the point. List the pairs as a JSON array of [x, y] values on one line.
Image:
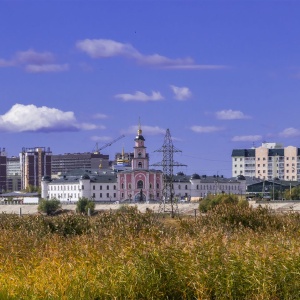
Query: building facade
[[35, 163], [3, 170], [267, 162], [140, 183], [13, 174], [63, 163]]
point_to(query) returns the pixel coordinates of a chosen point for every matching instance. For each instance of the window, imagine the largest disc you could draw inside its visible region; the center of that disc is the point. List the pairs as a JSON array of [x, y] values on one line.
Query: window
[[93, 187], [264, 158], [140, 184], [140, 165], [150, 185], [179, 187], [157, 185], [186, 187], [115, 195], [82, 187], [287, 158], [107, 195], [122, 185], [258, 165], [100, 195], [115, 187], [94, 196], [129, 185], [100, 187], [107, 187], [258, 158], [197, 187], [139, 154]]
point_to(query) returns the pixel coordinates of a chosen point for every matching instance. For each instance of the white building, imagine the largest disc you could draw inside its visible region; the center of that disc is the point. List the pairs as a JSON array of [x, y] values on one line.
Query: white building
[[268, 161]]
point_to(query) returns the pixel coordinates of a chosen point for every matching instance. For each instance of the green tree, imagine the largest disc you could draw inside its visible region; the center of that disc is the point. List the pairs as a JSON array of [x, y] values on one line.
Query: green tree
[[49, 206], [84, 204]]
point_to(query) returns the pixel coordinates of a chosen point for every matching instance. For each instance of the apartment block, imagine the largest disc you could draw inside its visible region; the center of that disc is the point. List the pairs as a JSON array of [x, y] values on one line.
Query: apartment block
[[63, 163], [269, 161], [35, 163]]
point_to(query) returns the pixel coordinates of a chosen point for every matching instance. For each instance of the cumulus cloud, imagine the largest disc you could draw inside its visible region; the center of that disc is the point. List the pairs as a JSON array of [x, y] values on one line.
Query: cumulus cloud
[[149, 130], [230, 115], [35, 62], [22, 118], [206, 129], [103, 48], [140, 96], [181, 93], [246, 138], [290, 132]]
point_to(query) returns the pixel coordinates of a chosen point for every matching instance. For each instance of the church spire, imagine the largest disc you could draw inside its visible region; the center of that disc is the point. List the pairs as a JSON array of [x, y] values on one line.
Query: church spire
[[139, 133]]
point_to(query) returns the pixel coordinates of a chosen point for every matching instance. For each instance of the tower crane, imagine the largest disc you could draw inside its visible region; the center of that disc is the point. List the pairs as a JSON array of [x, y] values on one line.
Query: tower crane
[[97, 150]]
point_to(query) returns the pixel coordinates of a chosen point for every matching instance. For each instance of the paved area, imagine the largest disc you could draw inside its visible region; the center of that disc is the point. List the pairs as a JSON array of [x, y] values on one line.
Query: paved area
[[184, 208]]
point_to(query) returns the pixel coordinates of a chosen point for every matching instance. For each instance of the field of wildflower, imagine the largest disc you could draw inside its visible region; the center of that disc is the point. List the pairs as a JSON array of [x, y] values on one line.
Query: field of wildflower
[[229, 253]]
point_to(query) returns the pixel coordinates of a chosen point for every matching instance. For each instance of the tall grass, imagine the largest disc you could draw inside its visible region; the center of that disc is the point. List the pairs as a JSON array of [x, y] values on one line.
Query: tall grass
[[230, 253]]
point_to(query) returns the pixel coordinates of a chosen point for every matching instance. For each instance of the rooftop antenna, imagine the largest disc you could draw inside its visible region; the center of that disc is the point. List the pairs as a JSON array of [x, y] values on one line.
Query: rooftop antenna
[[168, 203]]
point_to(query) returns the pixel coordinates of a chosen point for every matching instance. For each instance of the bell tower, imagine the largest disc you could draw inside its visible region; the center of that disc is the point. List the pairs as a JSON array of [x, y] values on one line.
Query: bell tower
[[140, 158]]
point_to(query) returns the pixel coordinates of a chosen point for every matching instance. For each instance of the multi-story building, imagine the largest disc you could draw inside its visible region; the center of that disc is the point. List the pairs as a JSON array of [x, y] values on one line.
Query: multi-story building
[[13, 174], [135, 183], [3, 172], [267, 162], [35, 163], [63, 163]]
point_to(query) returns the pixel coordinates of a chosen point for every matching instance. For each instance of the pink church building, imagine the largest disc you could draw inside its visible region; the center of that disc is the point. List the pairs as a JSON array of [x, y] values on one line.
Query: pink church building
[[140, 183]]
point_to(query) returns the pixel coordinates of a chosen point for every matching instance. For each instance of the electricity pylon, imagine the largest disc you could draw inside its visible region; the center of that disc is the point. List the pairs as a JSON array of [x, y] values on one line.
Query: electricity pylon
[[168, 203]]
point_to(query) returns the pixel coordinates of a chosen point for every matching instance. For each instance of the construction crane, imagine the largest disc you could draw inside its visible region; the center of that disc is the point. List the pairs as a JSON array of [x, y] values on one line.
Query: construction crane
[[97, 150]]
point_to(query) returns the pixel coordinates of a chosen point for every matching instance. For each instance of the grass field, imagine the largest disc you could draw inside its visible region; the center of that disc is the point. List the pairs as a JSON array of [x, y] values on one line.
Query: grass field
[[230, 253]]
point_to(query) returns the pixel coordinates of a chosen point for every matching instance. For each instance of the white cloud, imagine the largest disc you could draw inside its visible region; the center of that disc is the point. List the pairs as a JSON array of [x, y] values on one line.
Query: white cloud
[[140, 96], [149, 130], [102, 48], [290, 132], [181, 93], [22, 118], [34, 62], [51, 68], [97, 138], [246, 138], [206, 129], [231, 115], [100, 116], [34, 58]]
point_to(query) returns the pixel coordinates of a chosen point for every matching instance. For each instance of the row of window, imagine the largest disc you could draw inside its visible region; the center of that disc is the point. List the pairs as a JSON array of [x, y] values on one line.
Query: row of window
[[139, 185]]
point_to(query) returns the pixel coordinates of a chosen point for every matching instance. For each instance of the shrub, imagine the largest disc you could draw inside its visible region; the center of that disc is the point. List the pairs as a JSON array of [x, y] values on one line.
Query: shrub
[[212, 201], [49, 206], [84, 204]]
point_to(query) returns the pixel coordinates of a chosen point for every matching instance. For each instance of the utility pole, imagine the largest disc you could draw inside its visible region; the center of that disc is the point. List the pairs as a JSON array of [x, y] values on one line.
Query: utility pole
[[168, 203]]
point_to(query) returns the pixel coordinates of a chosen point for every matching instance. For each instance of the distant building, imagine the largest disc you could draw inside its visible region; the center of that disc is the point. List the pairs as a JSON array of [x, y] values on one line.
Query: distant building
[[63, 163], [140, 183], [13, 174], [267, 162], [3, 171], [35, 163]]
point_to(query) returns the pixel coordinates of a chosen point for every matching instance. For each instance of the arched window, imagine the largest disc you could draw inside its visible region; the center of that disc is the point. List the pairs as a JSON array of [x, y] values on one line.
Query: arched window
[[139, 154], [150, 185], [140, 165], [140, 184]]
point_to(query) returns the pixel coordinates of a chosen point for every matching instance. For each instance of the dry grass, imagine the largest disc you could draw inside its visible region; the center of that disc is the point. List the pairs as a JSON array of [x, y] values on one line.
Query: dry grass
[[232, 253]]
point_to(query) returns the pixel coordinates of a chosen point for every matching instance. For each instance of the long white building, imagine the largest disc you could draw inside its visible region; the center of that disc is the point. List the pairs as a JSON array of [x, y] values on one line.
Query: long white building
[[267, 162]]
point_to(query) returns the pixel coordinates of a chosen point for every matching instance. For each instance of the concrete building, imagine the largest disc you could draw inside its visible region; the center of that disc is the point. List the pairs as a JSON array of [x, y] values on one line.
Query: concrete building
[[98, 185], [267, 162], [63, 163], [13, 174], [3, 170], [135, 182], [35, 163]]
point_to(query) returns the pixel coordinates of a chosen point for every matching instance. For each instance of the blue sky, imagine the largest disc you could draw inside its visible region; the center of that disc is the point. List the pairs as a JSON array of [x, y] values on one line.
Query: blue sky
[[220, 75]]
